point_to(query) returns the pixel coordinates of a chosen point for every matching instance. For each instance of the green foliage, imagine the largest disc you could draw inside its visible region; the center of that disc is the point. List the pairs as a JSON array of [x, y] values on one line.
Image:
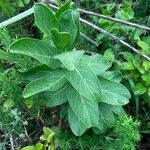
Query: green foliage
[[125, 136], [47, 141], [89, 97], [127, 133]]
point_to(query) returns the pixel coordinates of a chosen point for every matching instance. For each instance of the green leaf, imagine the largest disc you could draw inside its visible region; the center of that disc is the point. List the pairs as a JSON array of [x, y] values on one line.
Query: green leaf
[[36, 72], [62, 40], [67, 24], [39, 146], [86, 110], [139, 89], [57, 98], [48, 133], [65, 7], [6, 56], [85, 82], [52, 82], [114, 93], [39, 50], [96, 62], [77, 127], [28, 148], [106, 115], [127, 66], [70, 59], [109, 55], [45, 18], [145, 47], [112, 75], [126, 12], [146, 78], [127, 56]]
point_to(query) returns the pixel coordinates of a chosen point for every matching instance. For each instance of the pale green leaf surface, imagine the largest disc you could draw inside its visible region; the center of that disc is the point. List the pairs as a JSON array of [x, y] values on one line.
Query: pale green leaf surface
[[36, 72], [112, 75], [85, 82], [39, 50], [52, 82], [96, 62], [86, 110], [70, 59], [67, 24], [77, 127], [106, 115], [114, 93], [61, 39], [45, 18], [63, 8], [57, 98]]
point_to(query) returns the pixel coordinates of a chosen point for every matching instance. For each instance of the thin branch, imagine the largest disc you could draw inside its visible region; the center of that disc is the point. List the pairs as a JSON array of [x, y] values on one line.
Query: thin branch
[[89, 39], [11, 142], [16, 18], [115, 19], [114, 37]]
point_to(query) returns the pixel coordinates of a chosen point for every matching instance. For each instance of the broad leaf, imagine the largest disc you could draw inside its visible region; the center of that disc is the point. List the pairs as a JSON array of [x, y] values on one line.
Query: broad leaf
[[37, 49], [77, 127], [112, 75], [52, 82], [67, 24], [85, 82], [106, 115], [65, 7], [56, 98], [70, 59], [36, 72], [86, 110], [96, 62], [62, 40], [114, 93], [45, 18]]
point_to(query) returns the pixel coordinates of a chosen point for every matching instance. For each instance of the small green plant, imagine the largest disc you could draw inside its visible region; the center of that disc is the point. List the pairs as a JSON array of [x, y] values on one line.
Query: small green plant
[[126, 133], [68, 77], [47, 141]]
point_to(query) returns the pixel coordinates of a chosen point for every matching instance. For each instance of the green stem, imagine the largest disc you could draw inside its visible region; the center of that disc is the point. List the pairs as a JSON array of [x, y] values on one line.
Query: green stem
[[16, 18]]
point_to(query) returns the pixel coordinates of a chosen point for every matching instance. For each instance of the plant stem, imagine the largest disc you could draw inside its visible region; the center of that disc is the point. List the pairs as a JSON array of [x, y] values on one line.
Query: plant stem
[[16, 18], [115, 19], [114, 37]]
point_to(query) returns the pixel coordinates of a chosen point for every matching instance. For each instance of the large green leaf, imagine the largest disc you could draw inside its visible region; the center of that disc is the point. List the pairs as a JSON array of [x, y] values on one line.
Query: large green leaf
[[96, 62], [62, 40], [45, 18], [112, 75], [67, 24], [56, 98], [114, 93], [86, 110], [70, 59], [77, 127], [65, 7], [106, 116], [37, 49], [52, 82], [85, 82], [36, 72]]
